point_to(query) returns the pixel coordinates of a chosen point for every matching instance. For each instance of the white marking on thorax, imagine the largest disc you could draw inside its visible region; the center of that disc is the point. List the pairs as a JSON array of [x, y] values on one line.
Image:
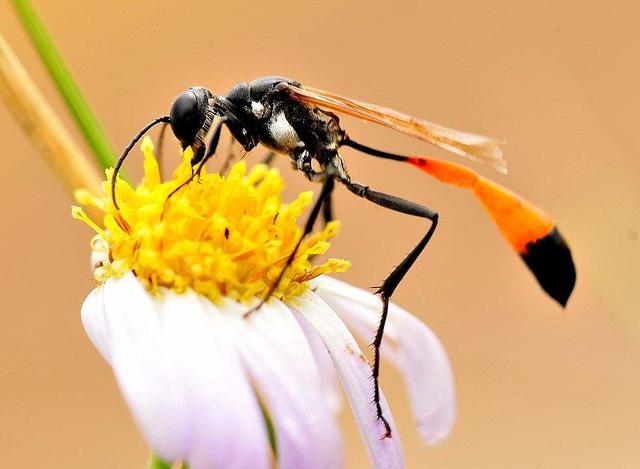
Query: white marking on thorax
[[257, 109], [282, 132]]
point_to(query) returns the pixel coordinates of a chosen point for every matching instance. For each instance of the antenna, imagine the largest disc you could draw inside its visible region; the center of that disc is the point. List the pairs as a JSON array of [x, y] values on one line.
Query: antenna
[[116, 168]]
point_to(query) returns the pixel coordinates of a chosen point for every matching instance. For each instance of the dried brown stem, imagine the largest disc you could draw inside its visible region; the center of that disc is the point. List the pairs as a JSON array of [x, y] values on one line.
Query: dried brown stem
[[42, 125]]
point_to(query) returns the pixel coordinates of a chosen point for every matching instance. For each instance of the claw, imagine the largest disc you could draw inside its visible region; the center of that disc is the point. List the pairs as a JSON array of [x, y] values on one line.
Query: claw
[[387, 427], [248, 313]]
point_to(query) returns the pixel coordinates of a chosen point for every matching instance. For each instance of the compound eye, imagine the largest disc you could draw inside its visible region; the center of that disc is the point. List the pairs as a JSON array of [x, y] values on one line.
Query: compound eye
[[186, 117]]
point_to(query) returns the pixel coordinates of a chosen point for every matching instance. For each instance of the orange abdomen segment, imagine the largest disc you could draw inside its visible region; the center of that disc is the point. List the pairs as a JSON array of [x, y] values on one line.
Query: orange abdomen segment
[[528, 229], [520, 221]]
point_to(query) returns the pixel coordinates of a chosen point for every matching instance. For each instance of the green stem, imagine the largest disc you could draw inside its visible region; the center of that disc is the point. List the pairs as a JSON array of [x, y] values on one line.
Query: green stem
[[86, 120], [271, 430], [156, 463]]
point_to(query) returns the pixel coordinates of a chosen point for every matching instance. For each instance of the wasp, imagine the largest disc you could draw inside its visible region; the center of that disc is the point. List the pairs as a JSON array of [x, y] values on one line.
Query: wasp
[[302, 122]]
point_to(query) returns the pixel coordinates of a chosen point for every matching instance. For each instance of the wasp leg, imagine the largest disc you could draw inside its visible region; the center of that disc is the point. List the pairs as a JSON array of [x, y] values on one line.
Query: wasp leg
[[231, 155], [327, 208], [211, 150], [125, 153], [327, 211], [304, 163], [213, 143], [395, 277], [327, 188], [268, 158]]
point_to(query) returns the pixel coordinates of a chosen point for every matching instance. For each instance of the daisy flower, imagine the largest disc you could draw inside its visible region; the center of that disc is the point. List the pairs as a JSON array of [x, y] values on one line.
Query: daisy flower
[[211, 386]]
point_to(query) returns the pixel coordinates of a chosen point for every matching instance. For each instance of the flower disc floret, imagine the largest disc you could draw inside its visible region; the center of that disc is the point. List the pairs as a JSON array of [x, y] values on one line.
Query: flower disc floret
[[222, 236]]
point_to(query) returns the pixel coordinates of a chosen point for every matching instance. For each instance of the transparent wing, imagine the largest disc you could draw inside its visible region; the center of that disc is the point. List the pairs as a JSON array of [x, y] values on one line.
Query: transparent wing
[[476, 147]]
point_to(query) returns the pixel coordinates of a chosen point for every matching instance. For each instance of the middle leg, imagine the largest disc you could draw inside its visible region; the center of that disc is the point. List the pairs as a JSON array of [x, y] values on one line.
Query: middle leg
[[327, 188], [327, 209]]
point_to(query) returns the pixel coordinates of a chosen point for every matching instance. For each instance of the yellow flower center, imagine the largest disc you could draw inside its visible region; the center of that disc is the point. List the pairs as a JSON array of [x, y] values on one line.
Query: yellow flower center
[[220, 235]]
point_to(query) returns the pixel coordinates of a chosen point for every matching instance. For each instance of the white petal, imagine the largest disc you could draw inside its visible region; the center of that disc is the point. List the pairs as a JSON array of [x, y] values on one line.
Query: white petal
[[355, 374], [99, 256], [411, 346], [278, 357], [92, 314], [328, 376], [155, 397], [181, 375], [226, 426]]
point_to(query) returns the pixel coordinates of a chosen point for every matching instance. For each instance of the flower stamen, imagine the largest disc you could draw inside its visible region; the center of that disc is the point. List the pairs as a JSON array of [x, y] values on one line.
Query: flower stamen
[[219, 235]]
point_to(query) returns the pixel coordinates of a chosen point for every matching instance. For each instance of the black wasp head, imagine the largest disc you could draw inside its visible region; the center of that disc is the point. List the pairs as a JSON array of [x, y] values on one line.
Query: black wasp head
[[189, 114]]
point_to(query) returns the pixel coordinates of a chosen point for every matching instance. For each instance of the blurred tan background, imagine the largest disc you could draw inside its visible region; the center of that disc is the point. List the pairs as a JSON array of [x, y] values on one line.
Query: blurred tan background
[[538, 387]]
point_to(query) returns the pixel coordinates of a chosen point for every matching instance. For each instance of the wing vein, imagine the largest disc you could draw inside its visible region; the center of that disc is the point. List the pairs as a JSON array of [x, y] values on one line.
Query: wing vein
[[476, 147]]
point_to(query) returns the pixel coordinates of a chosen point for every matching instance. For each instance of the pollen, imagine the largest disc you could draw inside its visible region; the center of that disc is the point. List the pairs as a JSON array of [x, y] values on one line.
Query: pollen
[[220, 235]]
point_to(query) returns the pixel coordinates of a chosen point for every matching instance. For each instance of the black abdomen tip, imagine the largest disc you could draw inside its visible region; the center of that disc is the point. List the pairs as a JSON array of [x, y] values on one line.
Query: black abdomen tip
[[549, 258]]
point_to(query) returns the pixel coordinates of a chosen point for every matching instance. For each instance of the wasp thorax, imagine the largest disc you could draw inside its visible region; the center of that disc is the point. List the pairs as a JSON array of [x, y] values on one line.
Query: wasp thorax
[[188, 114]]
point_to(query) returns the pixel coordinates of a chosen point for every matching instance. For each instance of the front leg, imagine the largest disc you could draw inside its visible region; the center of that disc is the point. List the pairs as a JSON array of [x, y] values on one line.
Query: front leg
[[230, 156], [211, 150]]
